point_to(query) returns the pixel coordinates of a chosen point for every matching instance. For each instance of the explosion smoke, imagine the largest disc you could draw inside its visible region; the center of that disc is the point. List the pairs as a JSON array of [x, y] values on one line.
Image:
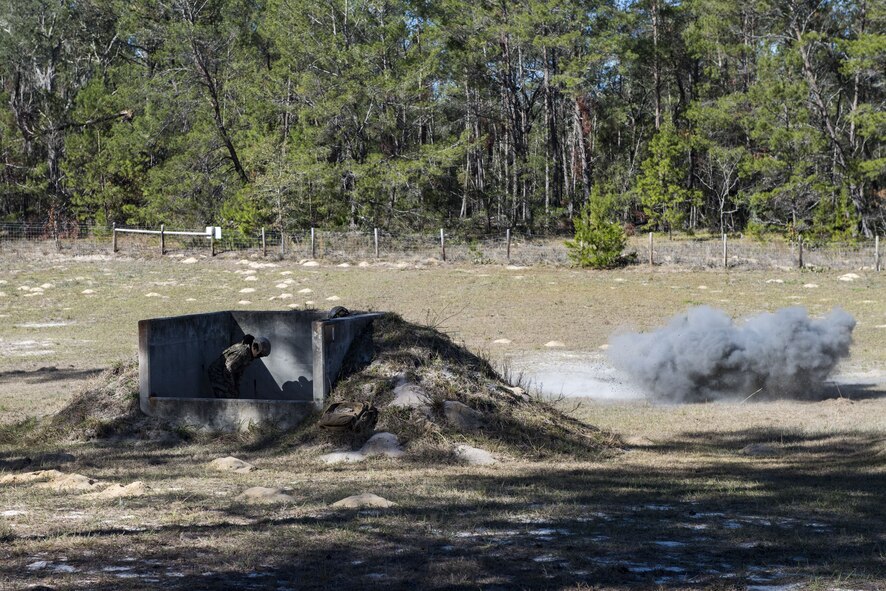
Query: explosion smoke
[[702, 355]]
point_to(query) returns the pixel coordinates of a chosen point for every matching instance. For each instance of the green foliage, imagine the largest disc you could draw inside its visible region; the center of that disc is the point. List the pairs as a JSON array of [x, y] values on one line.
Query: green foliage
[[705, 114], [598, 241], [835, 220], [244, 213], [662, 180]]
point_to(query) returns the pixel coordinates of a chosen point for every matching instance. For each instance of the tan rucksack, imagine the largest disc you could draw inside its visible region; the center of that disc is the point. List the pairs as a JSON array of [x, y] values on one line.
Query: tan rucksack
[[349, 416]]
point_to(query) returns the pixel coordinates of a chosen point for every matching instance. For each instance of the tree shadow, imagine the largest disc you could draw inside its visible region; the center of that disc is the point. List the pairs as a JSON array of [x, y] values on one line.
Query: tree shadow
[[48, 374], [725, 518]]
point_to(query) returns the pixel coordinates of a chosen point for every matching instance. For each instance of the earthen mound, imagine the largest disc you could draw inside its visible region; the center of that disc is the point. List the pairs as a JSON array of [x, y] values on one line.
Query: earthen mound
[[106, 407], [434, 396], [455, 397]]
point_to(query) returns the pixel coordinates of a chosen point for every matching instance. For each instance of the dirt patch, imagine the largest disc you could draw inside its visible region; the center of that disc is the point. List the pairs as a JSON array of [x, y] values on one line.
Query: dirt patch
[[231, 464], [54, 480], [363, 500], [265, 495], [120, 491], [30, 477], [72, 483]]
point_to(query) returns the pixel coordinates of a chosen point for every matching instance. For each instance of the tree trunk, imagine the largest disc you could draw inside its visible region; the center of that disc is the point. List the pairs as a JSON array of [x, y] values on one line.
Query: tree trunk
[[212, 87], [656, 64]]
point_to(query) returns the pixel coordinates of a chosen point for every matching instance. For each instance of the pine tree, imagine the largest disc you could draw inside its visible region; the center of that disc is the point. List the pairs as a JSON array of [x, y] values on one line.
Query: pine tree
[[662, 182], [599, 241]]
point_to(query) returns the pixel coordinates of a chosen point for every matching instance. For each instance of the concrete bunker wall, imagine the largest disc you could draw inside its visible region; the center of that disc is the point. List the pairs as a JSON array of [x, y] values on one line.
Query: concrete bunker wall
[[307, 351]]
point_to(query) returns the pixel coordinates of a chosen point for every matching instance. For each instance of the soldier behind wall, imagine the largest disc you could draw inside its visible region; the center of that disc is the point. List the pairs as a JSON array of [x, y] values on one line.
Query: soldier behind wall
[[226, 371]]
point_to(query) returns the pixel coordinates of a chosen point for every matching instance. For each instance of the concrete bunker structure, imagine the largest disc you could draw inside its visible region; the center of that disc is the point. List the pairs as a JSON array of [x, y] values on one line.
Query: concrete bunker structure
[[307, 352]]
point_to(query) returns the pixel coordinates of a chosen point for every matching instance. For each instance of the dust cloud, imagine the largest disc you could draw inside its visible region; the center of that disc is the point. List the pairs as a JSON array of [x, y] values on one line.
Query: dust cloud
[[703, 355]]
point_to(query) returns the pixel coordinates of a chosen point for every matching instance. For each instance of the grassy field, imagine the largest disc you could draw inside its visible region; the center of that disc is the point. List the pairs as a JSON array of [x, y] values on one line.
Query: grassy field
[[720, 496]]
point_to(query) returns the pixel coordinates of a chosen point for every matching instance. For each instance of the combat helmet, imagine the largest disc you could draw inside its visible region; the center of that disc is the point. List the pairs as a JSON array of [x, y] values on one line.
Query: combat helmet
[[261, 347]]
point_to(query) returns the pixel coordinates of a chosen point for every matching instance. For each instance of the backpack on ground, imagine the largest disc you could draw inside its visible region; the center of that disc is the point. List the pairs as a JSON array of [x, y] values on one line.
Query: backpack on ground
[[349, 416]]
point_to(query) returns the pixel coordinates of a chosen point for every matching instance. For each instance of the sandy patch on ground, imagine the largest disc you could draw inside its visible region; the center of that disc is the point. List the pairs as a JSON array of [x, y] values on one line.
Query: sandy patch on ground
[[25, 348], [29, 477], [409, 395], [262, 495], [582, 374], [231, 464], [380, 444], [53, 480], [120, 491], [474, 456], [363, 500]]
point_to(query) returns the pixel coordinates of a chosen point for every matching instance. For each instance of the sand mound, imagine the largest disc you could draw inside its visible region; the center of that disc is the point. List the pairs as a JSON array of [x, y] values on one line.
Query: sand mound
[[474, 455], [380, 444], [261, 495], [363, 500], [72, 483], [53, 480], [119, 491], [29, 477], [231, 464]]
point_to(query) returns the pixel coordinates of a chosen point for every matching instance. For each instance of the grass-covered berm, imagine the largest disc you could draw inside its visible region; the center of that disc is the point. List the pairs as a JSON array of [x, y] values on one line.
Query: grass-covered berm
[[620, 495], [431, 393]]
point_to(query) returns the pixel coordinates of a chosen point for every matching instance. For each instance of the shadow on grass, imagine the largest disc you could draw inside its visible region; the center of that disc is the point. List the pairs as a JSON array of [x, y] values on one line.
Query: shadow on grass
[[853, 391], [45, 375], [693, 513]]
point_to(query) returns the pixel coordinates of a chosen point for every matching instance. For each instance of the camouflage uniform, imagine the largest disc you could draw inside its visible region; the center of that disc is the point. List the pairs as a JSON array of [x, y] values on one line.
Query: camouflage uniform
[[226, 371]]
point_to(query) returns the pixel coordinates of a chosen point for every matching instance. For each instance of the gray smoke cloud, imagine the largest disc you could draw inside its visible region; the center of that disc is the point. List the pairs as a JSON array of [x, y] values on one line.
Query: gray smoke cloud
[[703, 355]]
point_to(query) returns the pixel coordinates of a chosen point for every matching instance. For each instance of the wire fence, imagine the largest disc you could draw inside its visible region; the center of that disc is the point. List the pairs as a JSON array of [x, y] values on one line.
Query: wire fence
[[755, 254], [506, 248]]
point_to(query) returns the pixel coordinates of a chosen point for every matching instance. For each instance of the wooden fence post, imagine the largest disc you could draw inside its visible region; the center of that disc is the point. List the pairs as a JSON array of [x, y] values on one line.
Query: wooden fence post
[[651, 256], [114, 239], [282, 243], [877, 253], [375, 232], [443, 244], [162, 239], [212, 243], [313, 245], [508, 235], [725, 253], [800, 250], [264, 244]]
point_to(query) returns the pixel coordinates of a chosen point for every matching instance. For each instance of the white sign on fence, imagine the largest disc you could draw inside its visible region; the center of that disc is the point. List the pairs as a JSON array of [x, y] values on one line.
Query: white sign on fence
[[210, 230]]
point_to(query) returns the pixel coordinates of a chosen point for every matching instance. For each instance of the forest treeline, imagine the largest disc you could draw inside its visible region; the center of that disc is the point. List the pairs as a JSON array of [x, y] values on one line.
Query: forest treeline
[[720, 115]]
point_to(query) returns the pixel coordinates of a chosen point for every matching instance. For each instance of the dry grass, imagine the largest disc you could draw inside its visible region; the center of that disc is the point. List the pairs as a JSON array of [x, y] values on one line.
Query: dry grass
[[684, 507], [680, 514]]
